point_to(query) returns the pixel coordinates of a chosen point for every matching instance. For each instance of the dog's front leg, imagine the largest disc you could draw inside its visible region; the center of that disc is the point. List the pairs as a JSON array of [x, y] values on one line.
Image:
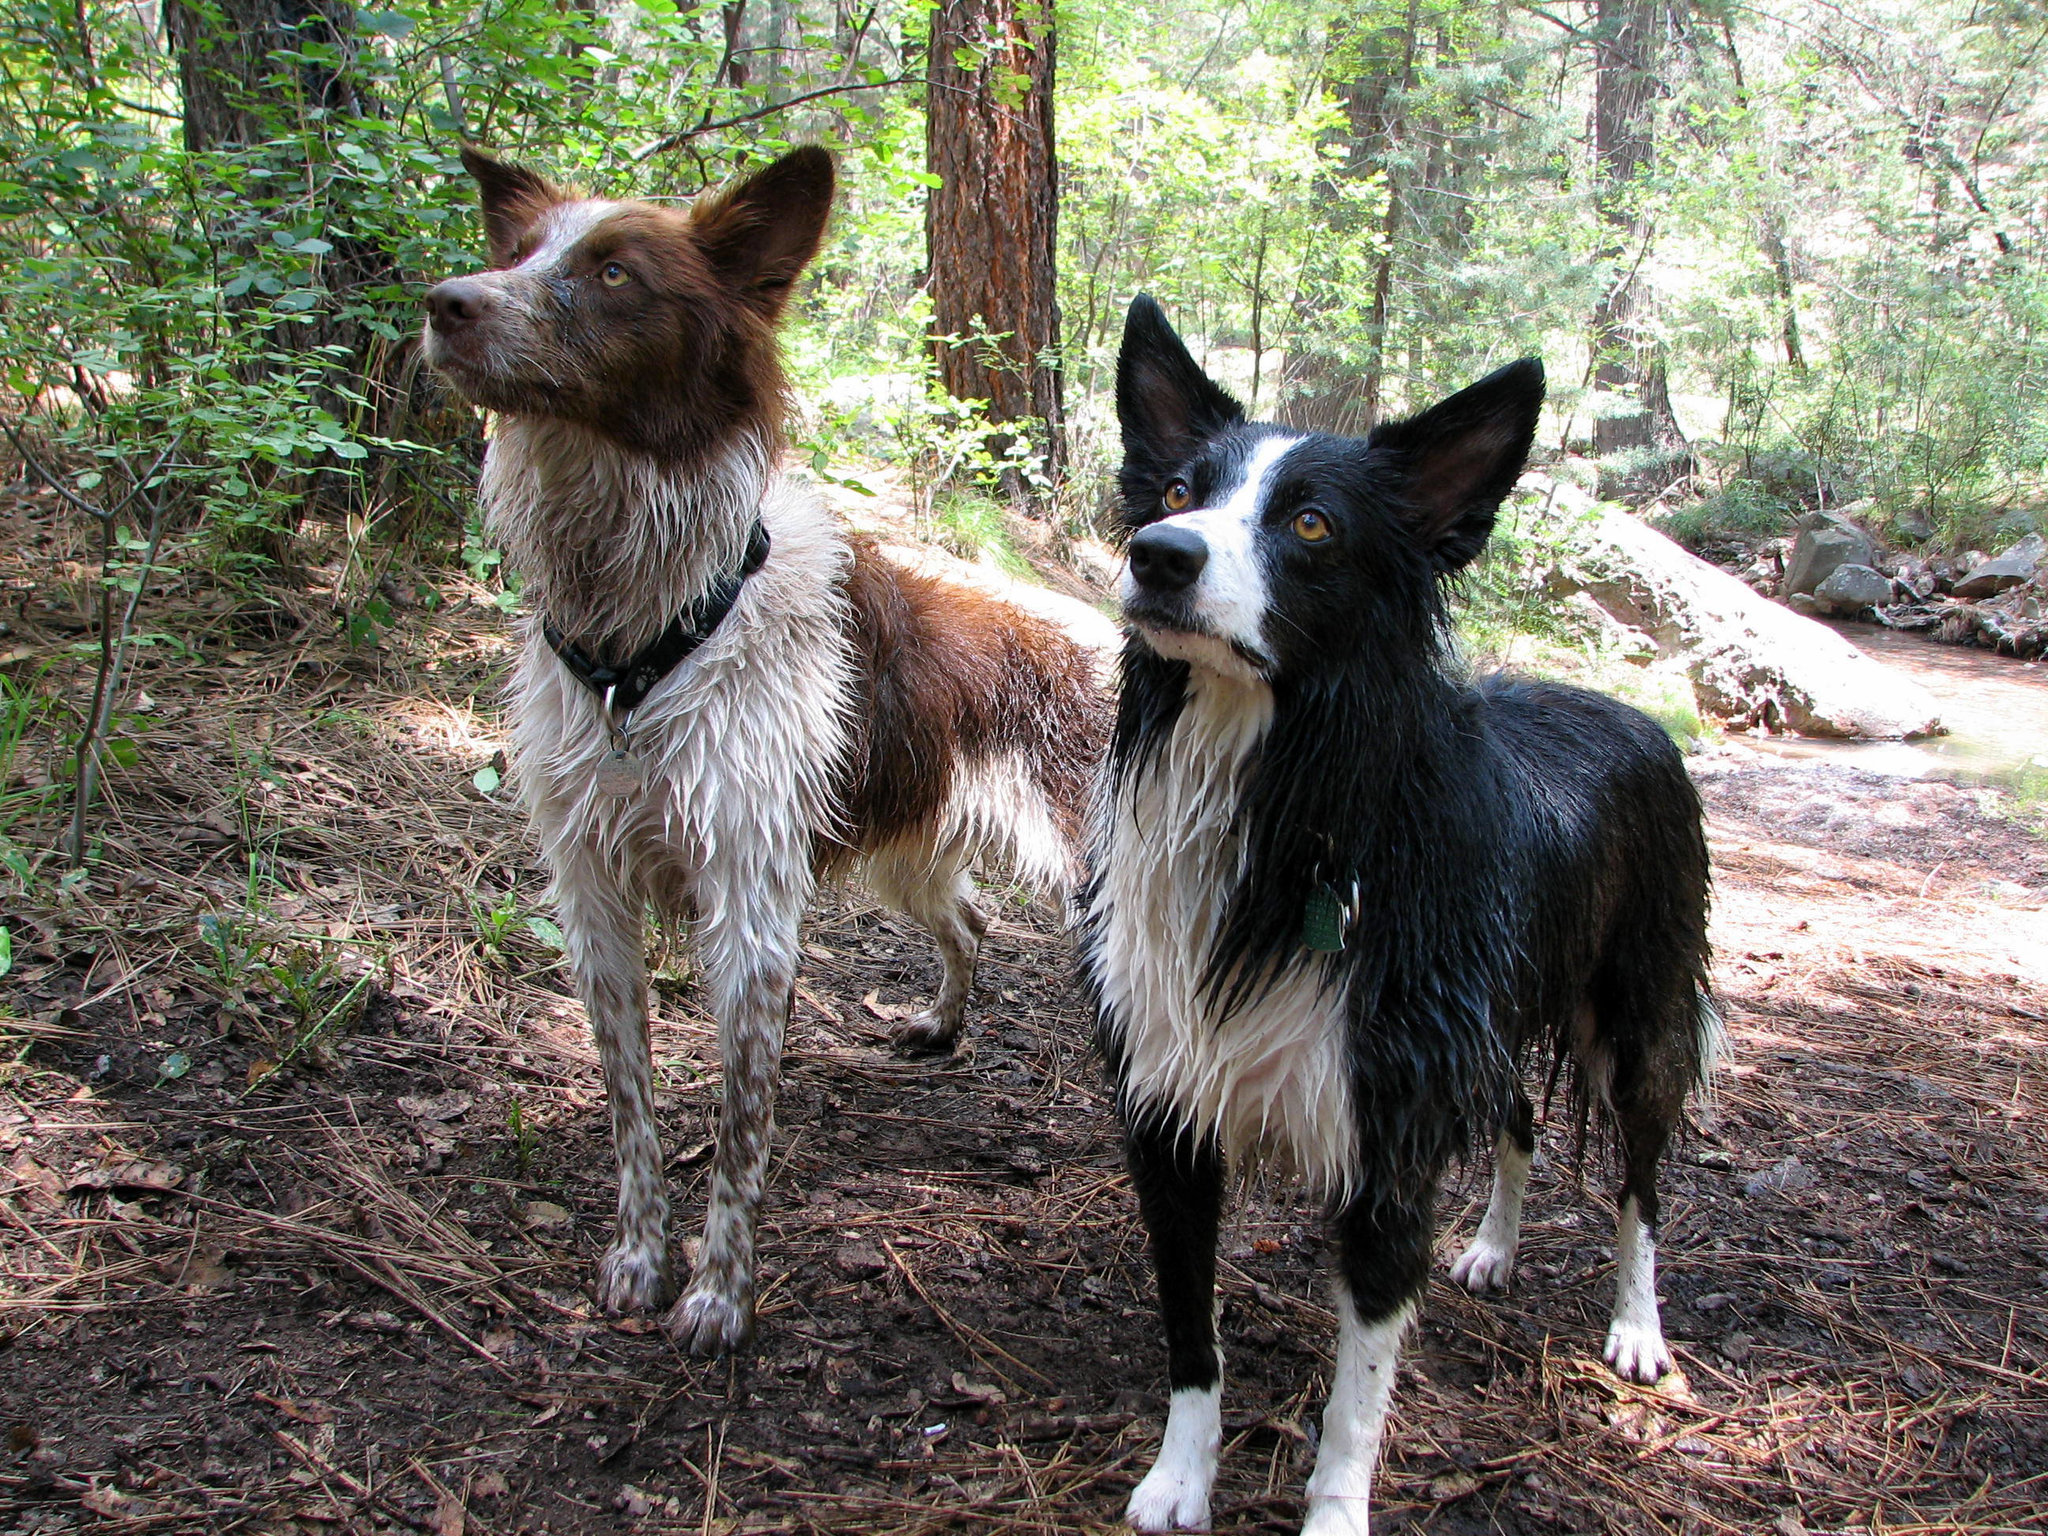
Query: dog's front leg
[[748, 945], [1383, 1251], [604, 935], [1179, 1179]]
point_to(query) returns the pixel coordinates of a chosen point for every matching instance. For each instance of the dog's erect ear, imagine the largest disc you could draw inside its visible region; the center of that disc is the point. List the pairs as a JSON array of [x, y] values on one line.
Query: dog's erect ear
[[1457, 461], [760, 233], [1165, 404], [513, 198]]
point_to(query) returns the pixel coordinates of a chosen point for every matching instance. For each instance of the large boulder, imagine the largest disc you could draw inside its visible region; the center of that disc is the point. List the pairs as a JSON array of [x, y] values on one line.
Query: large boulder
[[1852, 589], [1825, 542], [1751, 661], [2011, 569]]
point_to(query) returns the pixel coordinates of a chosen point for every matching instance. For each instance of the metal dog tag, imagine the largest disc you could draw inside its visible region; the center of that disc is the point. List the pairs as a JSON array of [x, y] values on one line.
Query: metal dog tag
[[620, 773], [1323, 921]]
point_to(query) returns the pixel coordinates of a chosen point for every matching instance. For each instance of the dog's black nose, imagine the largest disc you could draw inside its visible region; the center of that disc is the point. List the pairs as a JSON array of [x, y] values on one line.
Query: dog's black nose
[[458, 302], [1167, 559]]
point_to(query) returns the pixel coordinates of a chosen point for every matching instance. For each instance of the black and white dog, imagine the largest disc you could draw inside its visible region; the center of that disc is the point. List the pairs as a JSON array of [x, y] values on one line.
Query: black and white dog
[[1341, 897]]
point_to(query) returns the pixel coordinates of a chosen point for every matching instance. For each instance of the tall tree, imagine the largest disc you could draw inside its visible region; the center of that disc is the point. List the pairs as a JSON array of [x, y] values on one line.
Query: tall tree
[[228, 72], [990, 224], [1627, 364], [253, 76], [1323, 389]]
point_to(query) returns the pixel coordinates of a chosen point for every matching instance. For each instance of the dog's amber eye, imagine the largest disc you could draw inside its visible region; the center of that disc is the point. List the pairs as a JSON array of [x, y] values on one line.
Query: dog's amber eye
[[1177, 495], [614, 275], [1311, 527]]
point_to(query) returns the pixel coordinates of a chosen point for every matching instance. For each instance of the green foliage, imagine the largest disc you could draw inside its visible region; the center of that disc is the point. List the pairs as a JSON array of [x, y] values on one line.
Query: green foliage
[[1379, 200], [499, 923], [1741, 508], [972, 524], [25, 713], [525, 1139]]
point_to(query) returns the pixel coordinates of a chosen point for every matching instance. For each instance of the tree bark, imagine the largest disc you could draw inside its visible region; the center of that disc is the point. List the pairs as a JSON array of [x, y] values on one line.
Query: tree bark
[[1771, 230], [1321, 389], [990, 226], [1626, 364], [239, 93], [227, 74]]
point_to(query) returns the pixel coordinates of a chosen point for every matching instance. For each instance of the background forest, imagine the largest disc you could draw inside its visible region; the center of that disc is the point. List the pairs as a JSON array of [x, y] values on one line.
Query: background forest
[[1772, 255]]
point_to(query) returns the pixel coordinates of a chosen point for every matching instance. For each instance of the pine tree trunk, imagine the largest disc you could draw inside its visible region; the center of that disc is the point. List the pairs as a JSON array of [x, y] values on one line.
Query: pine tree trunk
[[1321, 389], [1771, 231], [1626, 364], [238, 93], [990, 227], [226, 74]]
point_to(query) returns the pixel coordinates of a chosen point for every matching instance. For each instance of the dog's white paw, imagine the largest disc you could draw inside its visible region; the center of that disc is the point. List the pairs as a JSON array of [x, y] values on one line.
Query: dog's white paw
[[1169, 1499], [708, 1321], [632, 1278], [1334, 1516], [1485, 1266], [1638, 1352]]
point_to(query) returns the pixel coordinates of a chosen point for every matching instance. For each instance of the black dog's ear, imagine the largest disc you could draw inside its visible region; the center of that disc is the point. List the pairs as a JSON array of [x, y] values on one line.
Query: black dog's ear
[[760, 233], [513, 198], [1455, 462], [1165, 404]]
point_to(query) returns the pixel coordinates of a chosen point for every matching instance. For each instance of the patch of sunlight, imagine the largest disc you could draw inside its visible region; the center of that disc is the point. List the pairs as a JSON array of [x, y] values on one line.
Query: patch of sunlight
[[448, 728]]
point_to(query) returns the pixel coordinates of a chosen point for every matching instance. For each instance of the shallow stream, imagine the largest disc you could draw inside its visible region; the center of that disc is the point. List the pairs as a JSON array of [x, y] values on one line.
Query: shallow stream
[[1995, 707]]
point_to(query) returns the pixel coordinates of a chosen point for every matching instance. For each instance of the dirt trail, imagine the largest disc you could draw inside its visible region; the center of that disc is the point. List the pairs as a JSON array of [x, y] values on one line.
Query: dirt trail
[[350, 1297]]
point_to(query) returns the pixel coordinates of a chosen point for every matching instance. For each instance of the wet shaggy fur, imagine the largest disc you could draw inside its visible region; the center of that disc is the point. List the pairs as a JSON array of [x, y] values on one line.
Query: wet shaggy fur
[[1518, 871], [844, 714]]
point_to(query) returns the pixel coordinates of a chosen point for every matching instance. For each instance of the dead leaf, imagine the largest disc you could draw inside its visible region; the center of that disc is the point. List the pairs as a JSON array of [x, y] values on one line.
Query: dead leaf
[[44, 1186], [977, 1391], [148, 1178], [490, 1485], [441, 1106], [449, 1517], [544, 1216], [111, 1502], [631, 1501], [203, 1271], [1453, 1485], [311, 1411], [888, 1013], [858, 1261]]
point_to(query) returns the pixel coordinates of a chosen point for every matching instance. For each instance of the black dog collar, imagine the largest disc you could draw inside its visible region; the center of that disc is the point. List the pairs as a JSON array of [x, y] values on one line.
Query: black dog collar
[[622, 687]]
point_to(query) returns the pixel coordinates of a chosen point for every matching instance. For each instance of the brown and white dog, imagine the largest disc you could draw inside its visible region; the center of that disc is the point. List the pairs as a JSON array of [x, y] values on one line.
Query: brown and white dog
[[722, 697]]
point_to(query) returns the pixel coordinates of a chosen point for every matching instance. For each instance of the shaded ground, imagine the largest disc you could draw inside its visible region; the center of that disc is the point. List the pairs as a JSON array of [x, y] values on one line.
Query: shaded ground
[[350, 1296]]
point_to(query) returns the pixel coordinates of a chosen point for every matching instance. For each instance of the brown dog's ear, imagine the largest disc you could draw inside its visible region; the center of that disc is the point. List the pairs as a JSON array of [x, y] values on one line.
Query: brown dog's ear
[[513, 198], [760, 233]]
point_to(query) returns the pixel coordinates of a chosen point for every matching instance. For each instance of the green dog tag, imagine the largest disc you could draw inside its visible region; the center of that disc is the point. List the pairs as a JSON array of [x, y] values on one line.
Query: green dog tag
[[1322, 921]]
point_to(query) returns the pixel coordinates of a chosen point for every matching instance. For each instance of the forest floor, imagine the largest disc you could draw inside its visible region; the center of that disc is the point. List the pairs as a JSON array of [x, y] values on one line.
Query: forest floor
[[304, 1164]]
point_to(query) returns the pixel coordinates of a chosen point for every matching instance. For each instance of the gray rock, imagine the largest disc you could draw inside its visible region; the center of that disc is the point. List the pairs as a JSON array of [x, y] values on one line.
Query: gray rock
[[2018, 564], [1915, 577], [1853, 588], [1804, 604], [1914, 525], [1751, 662], [1825, 542]]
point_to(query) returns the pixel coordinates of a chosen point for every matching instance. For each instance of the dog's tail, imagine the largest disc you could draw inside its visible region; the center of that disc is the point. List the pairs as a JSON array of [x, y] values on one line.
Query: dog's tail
[[1023, 811]]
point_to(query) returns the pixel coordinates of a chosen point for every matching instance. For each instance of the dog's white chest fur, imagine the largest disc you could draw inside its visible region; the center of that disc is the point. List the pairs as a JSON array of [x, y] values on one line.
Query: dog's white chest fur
[[1269, 1080]]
